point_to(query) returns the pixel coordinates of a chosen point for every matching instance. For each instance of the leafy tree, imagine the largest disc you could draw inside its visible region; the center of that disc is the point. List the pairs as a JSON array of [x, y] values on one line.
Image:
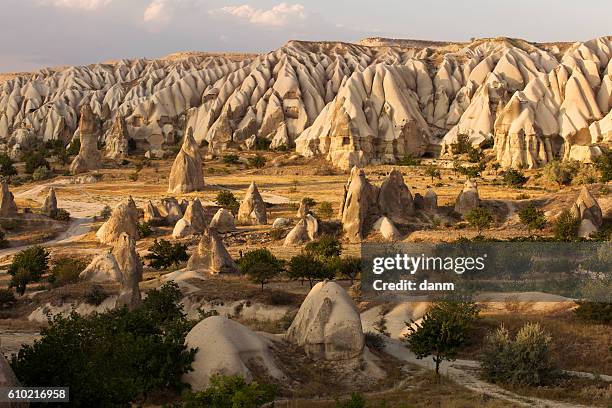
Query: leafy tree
[[604, 165], [479, 218], [524, 360], [443, 331], [28, 266], [164, 254], [260, 265], [433, 172], [532, 217], [326, 247], [114, 358], [227, 200], [566, 226], [349, 267], [60, 214], [514, 178], [66, 270], [326, 210], [261, 143], [257, 161], [106, 212], [230, 392], [6, 166], [306, 266], [42, 173], [33, 160], [475, 155]]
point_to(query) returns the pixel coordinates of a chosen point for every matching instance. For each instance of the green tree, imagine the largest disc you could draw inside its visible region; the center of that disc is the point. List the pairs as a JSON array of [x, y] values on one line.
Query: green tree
[[479, 218], [462, 145], [230, 392], [227, 200], [326, 211], [532, 217], [164, 254], [28, 266], [257, 161], [6, 166], [349, 267], [306, 266], [260, 265], [66, 270], [557, 172], [604, 165], [144, 229], [325, 247], [114, 358], [231, 159], [443, 331], [566, 226], [514, 178], [33, 160], [433, 172]]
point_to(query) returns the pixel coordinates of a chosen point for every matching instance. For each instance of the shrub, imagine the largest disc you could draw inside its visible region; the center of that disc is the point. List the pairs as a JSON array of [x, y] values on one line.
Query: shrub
[[309, 201], [532, 217], [514, 178], [586, 175], [95, 295], [462, 145], [6, 166], [474, 155], [306, 266], [408, 160], [144, 229], [60, 214], [112, 358], [560, 173], [231, 159], [326, 211], [604, 165], [524, 360], [277, 233], [257, 161], [6, 298], [326, 247], [106, 212], [227, 200], [74, 147], [33, 160], [28, 266], [374, 341], [262, 143], [349, 267], [433, 172], [598, 312], [479, 218], [164, 254], [442, 332], [42, 173], [356, 401], [66, 270], [230, 392], [260, 265], [566, 226], [3, 241]]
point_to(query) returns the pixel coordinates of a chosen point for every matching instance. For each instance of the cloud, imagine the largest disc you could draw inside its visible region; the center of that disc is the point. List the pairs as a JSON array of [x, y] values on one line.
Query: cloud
[[79, 4], [158, 11], [280, 15]]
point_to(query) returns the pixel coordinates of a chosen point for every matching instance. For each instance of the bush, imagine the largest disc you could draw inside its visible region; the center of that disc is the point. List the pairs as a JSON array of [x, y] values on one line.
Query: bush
[[433, 172], [231, 159], [3, 241], [514, 178], [595, 312], [163, 254], [257, 161], [28, 266], [408, 160], [326, 211], [474, 155], [106, 212], [306, 266], [532, 217], [560, 173], [66, 270], [112, 358], [326, 247], [42, 173], [524, 360], [462, 145], [586, 175], [7, 298], [566, 226], [144, 229], [349, 267], [6, 166], [34, 160], [604, 165], [443, 331], [260, 265], [227, 200], [374, 341], [356, 401], [277, 233], [479, 218], [60, 214], [74, 147], [262, 143], [95, 295], [309, 201], [230, 392]]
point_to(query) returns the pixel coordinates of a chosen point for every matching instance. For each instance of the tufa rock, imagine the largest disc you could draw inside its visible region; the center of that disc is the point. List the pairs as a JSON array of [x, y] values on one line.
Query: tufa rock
[[306, 230], [193, 222], [430, 201], [124, 218], [252, 209], [212, 256], [50, 205], [130, 266], [387, 230], [171, 210], [394, 198], [117, 141], [89, 157], [359, 206], [281, 223], [223, 221], [186, 174], [103, 268], [588, 212], [468, 199], [7, 202], [304, 208], [151, 214]]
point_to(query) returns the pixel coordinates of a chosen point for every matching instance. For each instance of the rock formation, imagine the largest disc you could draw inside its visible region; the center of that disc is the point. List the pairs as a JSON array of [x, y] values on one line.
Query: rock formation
[[102, 268], [49, 206], [306, 230], [588, 212], [89, 157], [7, 202], [430, 201], [186, 174], [225, 347], [171, 210], [252, 209], [151, 214], [130, 266], [328, 325], [124, 218], [212, 256], [468, 199], [394, 198], [223, 221], [384, 226], [281, 223], [359, 206], [193, 222], [117, 140], [304, 208], [9, 380]]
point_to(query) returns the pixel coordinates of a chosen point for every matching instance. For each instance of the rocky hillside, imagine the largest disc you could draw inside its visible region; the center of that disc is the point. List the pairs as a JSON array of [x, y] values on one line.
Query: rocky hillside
[[352, 103]]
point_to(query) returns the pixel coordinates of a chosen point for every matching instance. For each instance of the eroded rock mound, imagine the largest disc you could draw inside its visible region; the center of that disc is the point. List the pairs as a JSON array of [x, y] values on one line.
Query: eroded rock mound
[[130, 266], [7, 202], [223, 221], [151, 214], [171, 210], [394, 199], [430, 201], [468, 199], [193, 222], [9, 380], [387, 230], [212, 256], [328, 325], [124, 218], [49, 206], [103, 268], [186, 174], [359, 206], [89, 157], [225, 347], [117, 140], [304, 208], [306, 230], [252, 209], [587, 210]]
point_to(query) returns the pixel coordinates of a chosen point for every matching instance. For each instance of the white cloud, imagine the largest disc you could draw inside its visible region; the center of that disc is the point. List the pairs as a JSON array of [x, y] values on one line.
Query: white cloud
[[158, 11], [280, 15], [79, 4]]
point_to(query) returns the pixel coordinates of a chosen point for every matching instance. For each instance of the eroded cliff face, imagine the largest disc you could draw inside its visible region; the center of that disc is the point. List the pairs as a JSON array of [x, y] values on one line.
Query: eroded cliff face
[[354, 104]]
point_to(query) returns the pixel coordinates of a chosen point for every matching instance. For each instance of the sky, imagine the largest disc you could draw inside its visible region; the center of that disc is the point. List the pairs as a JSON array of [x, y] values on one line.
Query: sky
[[39, 33]]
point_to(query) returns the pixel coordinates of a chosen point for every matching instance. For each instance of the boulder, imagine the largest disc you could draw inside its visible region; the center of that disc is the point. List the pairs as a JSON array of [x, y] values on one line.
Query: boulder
[[212, 256], [328, 325], [430, 201], [193, 222], [7, 202], [225, 347], [89, 157], [281, 223], [103, 268], [359, 206], [186, 174], [306, 230], [394, 198], [252, 209], [124, 218], [50, 204], [223, 221], [152, 214], [117, 140], [304, 208], [588, 212], [130, 266], [468, 199], [384, 226], [171, 210]]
